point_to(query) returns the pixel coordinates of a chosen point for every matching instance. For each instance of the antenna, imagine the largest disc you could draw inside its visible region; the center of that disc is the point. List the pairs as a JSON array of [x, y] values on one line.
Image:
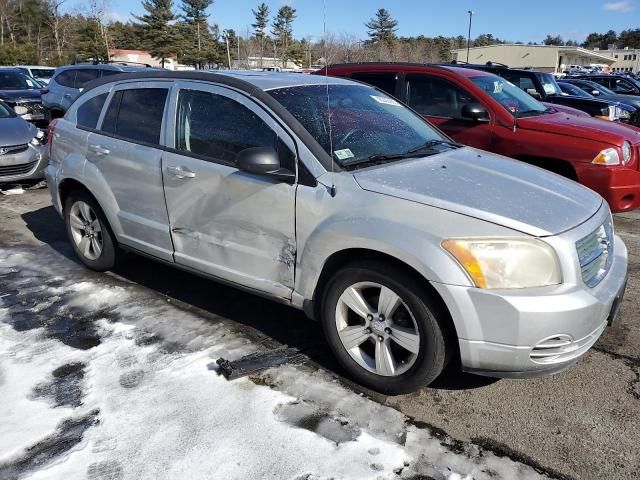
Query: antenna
[[332, 190]]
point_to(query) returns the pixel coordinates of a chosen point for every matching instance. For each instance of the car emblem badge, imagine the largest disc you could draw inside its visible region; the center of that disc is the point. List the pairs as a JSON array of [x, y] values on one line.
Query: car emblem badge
[[3, 151]]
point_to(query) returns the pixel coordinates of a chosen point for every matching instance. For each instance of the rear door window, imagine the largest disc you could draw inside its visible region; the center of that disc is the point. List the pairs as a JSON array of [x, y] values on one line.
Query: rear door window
[[620, 85], [218, 128], [384, 81], [66, 78], [84, 76], [89, 112], [136, 115], [436, 97]]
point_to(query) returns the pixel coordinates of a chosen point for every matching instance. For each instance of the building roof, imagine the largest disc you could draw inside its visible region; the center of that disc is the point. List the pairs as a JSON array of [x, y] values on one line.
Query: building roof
[[579, 51]]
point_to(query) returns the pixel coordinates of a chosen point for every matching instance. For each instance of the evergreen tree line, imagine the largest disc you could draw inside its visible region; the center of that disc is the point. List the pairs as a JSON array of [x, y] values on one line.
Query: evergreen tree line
[[46, 32]]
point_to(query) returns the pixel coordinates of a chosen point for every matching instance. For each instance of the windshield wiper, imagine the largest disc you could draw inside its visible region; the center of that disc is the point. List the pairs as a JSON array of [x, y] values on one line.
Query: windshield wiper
[[433, 143], [414, 152]]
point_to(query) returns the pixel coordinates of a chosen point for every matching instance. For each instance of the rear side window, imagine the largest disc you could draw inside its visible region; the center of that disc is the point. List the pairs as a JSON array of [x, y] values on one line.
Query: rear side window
[[89, 112], [66, 78], [85, 76], [106, 73], [436, 97], [217, 127], [136, 114], [384, 81]]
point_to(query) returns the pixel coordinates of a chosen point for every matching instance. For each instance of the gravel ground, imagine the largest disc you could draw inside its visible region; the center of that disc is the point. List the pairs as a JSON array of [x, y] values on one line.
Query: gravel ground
[[582, 423]]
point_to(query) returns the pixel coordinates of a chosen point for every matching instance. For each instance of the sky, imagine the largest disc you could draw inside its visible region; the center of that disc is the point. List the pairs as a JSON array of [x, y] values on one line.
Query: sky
[[506, 19]]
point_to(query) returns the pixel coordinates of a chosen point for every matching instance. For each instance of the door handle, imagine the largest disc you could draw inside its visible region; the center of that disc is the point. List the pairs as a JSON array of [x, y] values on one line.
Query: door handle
[[180, 172], [99, 150]]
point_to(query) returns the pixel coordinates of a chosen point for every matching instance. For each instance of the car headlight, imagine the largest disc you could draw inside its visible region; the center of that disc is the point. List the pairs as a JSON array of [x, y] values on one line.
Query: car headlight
[[626, 152], [506, 263], [39, 139], [621, 114]]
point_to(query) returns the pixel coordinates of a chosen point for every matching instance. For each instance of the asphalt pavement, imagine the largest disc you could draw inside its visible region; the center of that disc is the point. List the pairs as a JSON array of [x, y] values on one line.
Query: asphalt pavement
[[581, 424]]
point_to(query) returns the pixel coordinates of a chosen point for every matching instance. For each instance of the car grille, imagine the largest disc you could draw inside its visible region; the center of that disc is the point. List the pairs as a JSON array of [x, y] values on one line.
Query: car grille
[[595, 252], [13, 149], [13, 170]]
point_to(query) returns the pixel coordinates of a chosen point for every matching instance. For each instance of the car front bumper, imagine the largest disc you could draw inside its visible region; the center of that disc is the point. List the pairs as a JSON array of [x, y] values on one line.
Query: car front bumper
[[533, 332], [620, 186], [23, 166]]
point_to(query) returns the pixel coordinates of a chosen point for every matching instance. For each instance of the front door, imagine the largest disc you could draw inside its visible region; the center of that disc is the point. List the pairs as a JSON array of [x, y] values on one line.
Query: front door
[[440, 101], [125, 149], [225, 222]]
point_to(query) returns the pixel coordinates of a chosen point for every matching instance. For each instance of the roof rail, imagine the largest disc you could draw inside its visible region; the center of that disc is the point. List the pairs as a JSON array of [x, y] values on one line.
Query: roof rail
[[496, 64], [110, 62]]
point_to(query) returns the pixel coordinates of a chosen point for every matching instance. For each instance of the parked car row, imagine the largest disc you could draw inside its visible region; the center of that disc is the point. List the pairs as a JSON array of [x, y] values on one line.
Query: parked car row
[[332, 196], [37, 95]]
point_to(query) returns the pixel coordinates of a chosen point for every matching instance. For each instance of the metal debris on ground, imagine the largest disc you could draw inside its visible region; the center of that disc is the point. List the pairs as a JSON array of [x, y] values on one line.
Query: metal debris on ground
[[259, 361]]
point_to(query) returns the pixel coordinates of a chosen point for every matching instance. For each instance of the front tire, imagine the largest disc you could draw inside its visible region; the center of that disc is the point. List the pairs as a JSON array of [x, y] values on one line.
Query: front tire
[[384, 329], [89, 232]]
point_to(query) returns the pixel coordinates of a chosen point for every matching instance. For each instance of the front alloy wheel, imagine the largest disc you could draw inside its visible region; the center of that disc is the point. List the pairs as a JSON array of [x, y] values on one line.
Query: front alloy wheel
[[377, 329], [385, 327]]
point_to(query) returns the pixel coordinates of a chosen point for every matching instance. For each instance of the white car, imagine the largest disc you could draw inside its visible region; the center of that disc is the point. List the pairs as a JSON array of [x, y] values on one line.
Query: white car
[[40, 73]]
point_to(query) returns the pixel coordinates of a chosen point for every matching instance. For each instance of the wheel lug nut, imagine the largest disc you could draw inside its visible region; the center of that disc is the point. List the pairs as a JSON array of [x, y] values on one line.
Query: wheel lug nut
[[369, 317], [381, 318], [380, 338], [387, 331], [367, 330]]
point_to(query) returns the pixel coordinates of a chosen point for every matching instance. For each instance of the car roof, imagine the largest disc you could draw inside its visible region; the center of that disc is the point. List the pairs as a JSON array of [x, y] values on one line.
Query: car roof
[[10, 69], [404, 66], [41, 67]]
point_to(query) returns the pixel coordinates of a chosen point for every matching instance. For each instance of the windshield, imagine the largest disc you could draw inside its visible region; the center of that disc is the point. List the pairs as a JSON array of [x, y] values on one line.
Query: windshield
[[513, 99], [17, 81], [6, 111], [600, 88], [366, 124], [571, 89], [549, 84]]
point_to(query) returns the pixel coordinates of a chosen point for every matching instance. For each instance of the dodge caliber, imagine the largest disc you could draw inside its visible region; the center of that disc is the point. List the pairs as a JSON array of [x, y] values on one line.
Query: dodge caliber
[[412, 250]]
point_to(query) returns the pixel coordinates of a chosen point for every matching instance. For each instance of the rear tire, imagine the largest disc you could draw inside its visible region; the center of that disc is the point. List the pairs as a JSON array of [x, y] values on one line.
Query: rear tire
[[89, 232], [384, 329]]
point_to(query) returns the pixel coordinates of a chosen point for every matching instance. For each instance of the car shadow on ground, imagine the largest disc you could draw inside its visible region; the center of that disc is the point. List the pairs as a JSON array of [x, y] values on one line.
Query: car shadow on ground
[[283, 324]]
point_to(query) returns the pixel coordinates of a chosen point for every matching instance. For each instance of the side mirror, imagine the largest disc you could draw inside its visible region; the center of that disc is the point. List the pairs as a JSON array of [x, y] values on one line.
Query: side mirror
[[595, 93], [263, 161], [475, 111], [534, 93]]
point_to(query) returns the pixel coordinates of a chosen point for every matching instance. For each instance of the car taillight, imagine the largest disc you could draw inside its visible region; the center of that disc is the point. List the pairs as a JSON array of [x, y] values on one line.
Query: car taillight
[[50, 131]]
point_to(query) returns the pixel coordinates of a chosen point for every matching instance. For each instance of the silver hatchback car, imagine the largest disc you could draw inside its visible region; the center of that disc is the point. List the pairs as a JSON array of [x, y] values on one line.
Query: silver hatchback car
[[332, 197]]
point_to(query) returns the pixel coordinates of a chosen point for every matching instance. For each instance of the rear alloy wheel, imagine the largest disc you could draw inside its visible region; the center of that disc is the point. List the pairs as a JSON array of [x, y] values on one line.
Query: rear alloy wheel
[[384, 329], [86, 230], [89, 232]]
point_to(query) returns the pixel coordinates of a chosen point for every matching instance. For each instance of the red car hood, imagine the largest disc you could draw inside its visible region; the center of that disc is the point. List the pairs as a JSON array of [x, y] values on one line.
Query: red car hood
[[582, 127]]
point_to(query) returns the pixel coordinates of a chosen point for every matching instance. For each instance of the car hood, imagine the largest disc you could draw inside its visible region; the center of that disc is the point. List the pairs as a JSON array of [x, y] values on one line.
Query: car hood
[[628, 99], [15, 131], [488, 187], [580, 127], [13, 95]]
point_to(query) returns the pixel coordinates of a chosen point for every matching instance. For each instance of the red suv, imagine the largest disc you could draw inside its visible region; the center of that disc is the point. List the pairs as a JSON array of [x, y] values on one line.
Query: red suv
[[488, 112]]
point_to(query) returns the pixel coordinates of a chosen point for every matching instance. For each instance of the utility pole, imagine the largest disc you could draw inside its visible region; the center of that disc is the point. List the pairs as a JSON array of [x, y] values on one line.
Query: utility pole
[[226, 37], [469, 34]]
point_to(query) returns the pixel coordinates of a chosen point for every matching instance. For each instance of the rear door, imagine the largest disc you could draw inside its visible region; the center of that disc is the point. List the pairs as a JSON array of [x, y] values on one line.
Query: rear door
[[385, 81], [126, 150], [225, 222], [441, 101]]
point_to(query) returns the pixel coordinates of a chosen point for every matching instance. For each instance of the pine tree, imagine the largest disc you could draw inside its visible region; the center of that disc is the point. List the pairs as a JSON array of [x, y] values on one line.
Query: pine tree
[[283, 31], [382, 28], [198, 42], [262, 20], [160, 34]]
